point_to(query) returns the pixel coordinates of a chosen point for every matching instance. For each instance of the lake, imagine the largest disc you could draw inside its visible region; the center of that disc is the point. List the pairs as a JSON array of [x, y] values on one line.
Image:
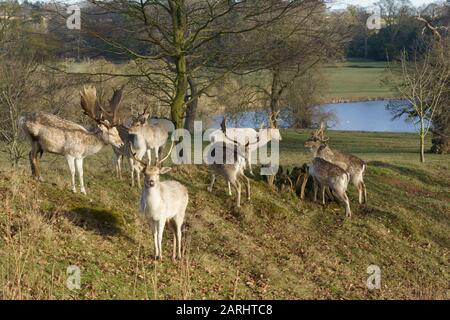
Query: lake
[[351, 116]]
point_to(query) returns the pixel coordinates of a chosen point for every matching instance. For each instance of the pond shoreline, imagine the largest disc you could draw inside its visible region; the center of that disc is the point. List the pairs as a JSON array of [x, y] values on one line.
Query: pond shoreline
[[366, 99]]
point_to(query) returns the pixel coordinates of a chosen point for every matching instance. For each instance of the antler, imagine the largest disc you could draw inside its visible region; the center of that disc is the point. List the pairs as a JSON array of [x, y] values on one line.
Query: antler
[[88, 98], [273, 117], [168, 154], [133, 155], [320, 133], [114, 104]]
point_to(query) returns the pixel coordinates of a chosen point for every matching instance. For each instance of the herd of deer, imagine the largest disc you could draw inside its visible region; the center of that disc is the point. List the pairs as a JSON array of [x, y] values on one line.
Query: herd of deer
[[166, 201]]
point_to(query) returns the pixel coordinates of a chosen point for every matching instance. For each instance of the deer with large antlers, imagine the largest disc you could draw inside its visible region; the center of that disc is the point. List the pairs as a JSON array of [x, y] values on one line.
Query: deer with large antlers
[[317, 143], [50, 133], [161, 202]]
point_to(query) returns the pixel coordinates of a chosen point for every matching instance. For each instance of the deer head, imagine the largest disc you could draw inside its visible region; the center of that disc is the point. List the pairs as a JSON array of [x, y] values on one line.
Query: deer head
[[317, 138], [152, 173], [108, 131]]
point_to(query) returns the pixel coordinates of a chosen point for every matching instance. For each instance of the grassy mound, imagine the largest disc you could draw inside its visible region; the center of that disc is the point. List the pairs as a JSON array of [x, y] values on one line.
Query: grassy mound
[[275, 246]]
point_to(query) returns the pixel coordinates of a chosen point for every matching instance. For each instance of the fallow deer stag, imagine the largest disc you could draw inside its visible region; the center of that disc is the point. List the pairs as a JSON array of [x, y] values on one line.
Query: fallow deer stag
[[350, 163], [161, 202], [50, 133]]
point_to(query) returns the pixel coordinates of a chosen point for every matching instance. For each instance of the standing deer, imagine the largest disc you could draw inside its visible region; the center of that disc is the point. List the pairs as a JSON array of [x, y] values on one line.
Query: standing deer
[[326, 174], [134, 146], [350, 163], [249, 137], [161, 202], [232, 172], [50, 133], [141, 135], [154, 135]]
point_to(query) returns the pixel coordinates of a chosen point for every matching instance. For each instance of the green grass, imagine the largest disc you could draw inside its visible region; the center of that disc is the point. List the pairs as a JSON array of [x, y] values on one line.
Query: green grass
[[275, 247], [357, 80]]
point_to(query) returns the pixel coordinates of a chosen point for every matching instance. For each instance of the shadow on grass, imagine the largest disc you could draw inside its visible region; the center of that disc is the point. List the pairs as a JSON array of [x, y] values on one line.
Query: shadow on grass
[[101, 222], [413, 173]]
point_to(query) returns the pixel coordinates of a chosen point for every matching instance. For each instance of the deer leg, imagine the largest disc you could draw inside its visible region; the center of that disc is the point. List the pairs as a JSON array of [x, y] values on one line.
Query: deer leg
[[132, 171], [364, 190], [157, 154], [342, 195], [247, 186], [149, 156], [315, 187], [237, 185], [229, 188], [71, 163], [249, 160], [32, 156], [119, 166], [213, 179], [34, 161], [172, 227], [79, 167], [323, 194], [155, 238], [161, 224], [178, 227]]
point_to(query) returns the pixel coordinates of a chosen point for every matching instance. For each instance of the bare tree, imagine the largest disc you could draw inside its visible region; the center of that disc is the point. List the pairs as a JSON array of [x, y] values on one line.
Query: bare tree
[[188, 45], [422, 86]]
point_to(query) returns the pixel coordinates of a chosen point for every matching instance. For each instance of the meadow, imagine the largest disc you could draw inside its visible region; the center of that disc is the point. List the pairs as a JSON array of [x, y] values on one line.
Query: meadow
[[275, 247], [358, 80]]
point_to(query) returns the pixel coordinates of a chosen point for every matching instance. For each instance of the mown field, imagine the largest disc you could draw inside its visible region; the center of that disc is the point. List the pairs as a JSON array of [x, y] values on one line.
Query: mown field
[[357, 80], [275, 247]]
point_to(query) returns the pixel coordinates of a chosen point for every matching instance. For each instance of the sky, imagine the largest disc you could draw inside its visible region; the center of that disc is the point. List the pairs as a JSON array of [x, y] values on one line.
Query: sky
[[340, 4]]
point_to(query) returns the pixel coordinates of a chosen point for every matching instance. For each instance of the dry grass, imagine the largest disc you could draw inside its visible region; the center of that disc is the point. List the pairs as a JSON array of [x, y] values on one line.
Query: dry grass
[[275, 247]]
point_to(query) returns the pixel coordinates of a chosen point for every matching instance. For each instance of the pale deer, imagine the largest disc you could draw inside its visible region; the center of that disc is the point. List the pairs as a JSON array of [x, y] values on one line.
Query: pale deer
[[161, 202], [139, 135], [326, 174], [50, 133], [248, 137], [350, 163], [154, 133]]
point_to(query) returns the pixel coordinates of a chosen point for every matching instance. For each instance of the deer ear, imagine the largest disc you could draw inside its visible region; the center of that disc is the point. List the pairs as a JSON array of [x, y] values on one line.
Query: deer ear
[[164, 170]]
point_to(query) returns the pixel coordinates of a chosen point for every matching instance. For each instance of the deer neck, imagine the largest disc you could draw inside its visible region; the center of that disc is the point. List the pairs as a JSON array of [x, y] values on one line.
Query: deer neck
[[152, 201], [323, 151], [93, 142]]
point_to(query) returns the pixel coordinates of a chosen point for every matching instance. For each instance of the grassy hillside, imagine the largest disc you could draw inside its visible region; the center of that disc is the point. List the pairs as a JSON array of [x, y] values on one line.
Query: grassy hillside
[[275, 247], [357, 80]]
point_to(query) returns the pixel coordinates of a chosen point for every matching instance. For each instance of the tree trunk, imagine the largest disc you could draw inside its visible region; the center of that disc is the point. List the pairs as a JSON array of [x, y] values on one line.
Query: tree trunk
[[422, 140], [178, 25], [191, 110], [366, 51], [276, 91]]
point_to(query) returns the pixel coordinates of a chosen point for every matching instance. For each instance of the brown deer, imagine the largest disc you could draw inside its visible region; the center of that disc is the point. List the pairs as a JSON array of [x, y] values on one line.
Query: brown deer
[[350, 163], [326, 174], [50, 133]]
